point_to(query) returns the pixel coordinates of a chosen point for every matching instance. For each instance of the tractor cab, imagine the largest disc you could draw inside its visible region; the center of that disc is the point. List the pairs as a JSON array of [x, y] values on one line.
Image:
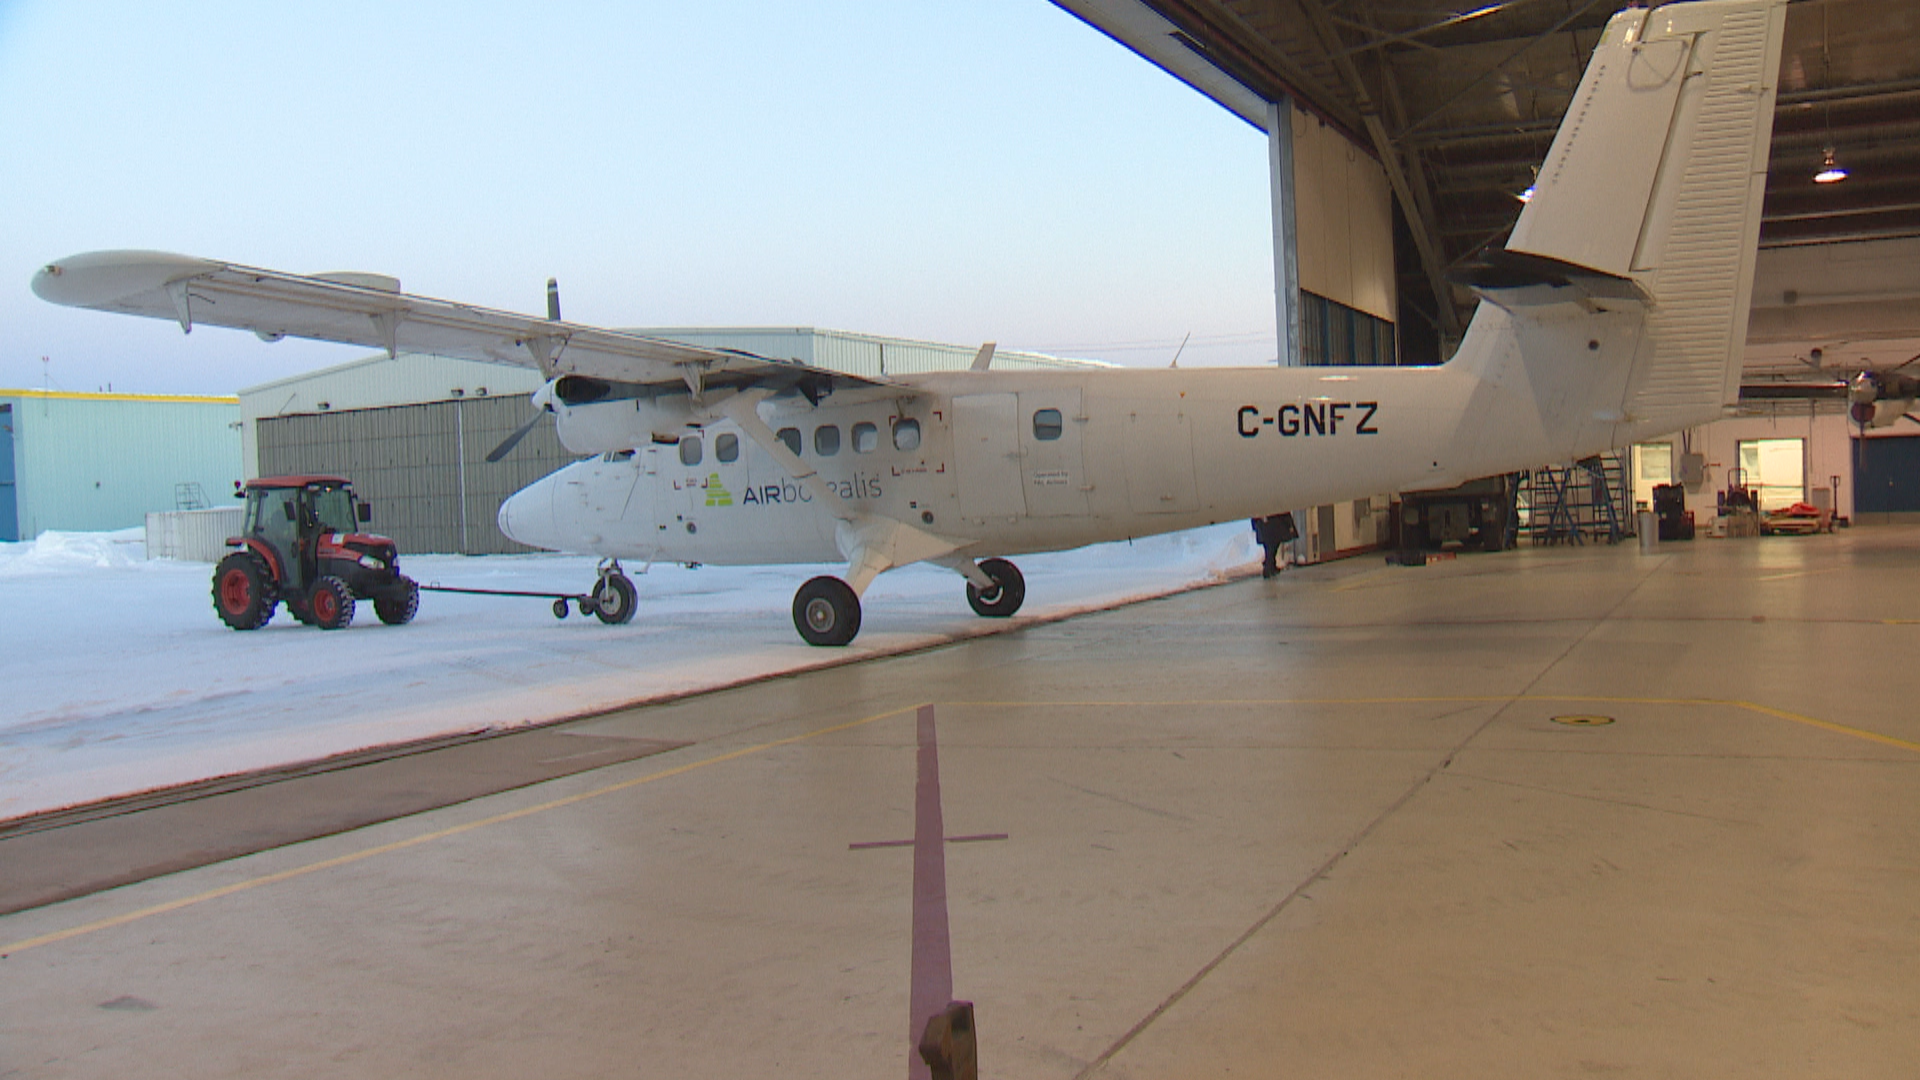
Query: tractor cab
[[300, 543]]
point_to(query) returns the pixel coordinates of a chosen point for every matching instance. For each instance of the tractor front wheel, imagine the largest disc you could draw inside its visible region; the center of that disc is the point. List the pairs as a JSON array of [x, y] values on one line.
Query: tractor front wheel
[[399, 606], [242, 591], [331, 603]]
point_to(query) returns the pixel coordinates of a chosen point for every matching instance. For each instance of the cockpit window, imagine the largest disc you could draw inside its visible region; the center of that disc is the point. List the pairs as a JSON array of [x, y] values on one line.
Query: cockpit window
[[690, 449], [726, 447]]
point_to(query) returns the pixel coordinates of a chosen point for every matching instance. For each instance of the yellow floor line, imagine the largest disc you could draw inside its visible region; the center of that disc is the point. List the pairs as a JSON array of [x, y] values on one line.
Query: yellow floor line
[[1470, 699], [441, 834]]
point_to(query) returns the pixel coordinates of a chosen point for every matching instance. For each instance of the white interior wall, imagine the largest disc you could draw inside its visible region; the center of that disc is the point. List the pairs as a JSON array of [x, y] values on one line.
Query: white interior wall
[[1828, 453]]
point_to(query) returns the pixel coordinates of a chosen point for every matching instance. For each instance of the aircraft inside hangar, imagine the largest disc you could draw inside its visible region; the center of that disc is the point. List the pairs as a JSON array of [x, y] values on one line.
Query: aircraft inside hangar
[[1564, 807]]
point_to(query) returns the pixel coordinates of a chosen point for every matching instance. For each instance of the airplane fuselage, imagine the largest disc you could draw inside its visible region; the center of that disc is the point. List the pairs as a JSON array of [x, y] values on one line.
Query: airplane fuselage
[[1014, 462]]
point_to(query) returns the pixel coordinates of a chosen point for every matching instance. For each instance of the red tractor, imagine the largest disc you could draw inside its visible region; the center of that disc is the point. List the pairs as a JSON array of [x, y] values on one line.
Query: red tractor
[[299, 545]]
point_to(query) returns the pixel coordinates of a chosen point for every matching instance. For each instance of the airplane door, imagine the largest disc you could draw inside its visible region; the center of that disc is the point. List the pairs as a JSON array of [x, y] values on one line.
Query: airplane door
[[1159, 456], [986, 456], [1051, 462]]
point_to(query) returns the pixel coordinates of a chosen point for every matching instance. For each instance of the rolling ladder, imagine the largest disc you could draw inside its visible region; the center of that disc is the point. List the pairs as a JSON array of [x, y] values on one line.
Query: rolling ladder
[[1571, 504]]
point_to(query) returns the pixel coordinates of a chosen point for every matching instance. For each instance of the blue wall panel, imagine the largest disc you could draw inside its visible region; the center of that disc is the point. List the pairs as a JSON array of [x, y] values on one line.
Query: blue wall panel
[[95, 462], [1888, 481]]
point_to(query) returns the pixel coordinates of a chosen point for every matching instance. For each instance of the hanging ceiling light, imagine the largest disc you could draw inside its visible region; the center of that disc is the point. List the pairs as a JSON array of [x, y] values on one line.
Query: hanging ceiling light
[[1830, 171]]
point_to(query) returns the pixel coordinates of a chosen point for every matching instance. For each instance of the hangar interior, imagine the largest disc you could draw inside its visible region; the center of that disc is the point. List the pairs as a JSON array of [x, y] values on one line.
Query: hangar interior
[[1442, 114], [1551, 812]]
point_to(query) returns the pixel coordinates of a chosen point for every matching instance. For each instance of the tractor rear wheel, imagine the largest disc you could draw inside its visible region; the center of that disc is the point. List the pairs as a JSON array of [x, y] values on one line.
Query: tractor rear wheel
[[398, 607], [330, 604], [242, 591]]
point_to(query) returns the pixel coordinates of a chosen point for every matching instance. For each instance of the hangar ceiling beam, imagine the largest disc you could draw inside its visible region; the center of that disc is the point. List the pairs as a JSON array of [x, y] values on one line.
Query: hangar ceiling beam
[[1419, 223]]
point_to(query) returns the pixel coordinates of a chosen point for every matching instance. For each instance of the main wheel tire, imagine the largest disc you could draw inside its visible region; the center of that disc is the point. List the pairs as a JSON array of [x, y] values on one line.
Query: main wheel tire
[[330, 604], [242, 591], [826, 611], [1008, 593], [398, 608], [614, 599]]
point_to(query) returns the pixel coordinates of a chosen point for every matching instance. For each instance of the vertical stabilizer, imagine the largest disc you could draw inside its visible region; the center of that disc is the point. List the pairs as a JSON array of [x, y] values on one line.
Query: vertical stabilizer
[[1656, 176]]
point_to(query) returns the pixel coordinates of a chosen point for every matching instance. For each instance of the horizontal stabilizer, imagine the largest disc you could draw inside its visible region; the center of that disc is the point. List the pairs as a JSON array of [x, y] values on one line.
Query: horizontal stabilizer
[[1518, 279]]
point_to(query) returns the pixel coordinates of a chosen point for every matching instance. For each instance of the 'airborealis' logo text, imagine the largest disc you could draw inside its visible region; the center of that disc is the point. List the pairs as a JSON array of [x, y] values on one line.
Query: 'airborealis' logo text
[[717, 493]]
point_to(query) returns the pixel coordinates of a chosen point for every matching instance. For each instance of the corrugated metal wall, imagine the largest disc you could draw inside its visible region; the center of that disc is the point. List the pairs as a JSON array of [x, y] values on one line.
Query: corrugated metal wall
[[96, 462], [423, 467]]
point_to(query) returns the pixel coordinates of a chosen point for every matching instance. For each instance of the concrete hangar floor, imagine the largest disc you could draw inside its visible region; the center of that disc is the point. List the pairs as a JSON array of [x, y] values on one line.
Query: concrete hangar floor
[[1543, 813]]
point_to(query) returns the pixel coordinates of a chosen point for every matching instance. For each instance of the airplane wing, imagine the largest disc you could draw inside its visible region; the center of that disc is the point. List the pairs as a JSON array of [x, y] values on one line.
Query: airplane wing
[[370, 310]]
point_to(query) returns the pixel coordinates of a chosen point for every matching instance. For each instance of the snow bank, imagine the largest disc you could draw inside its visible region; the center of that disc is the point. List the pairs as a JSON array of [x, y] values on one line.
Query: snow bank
[[74, 552], [121, 678]]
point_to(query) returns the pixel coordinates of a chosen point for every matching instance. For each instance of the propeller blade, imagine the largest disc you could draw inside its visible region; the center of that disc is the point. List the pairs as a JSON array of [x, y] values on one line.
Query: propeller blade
[[1904, 363], [507, 444], [553, 300]]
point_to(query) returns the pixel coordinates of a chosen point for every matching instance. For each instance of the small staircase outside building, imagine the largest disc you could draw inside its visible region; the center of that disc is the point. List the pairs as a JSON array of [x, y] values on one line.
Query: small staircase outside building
[[190, 496]]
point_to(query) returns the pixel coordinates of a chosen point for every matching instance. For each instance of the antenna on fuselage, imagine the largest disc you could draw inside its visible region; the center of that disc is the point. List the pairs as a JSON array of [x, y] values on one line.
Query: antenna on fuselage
[[1181, 349]]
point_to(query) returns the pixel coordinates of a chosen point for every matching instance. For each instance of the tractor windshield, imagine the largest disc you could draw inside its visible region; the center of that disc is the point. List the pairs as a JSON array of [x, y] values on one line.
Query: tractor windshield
[[333, 507]]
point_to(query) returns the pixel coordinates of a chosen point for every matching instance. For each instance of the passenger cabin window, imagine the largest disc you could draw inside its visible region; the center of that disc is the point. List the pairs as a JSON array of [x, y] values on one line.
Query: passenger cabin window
[[866, 438], [1046, 425], [726, 447], [689, 449], [826, 440], [906, 434], [790, 436]]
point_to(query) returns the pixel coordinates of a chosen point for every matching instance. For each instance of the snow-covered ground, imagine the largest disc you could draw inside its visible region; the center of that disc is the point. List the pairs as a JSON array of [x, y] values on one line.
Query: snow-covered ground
[[118, 677]]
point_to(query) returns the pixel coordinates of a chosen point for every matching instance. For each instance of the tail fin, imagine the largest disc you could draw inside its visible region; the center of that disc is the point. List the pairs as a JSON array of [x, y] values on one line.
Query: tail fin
[[1679, 215]]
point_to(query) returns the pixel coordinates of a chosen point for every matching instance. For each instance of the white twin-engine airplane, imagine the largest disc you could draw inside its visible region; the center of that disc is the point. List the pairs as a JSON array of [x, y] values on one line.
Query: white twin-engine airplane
[[1617, 311]]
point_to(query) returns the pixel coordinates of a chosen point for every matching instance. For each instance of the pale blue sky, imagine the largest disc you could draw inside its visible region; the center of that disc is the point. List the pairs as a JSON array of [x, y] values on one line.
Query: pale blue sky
[[955, 171]]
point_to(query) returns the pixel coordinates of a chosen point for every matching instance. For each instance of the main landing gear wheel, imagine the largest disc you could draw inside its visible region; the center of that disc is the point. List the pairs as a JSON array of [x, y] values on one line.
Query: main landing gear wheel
[[1008, 592], [240, 592], [826, 611], [398, 608], [331, 604], [613, 599]]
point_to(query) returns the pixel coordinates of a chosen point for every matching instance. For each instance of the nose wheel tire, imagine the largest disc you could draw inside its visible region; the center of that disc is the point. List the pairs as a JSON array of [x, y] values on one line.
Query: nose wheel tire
[[1005, 597], [613, 599], [826, 611], [331, 604], [240, 592]]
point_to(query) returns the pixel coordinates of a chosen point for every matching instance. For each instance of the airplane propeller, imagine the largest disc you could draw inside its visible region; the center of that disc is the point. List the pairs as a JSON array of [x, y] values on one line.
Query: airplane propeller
[[542, 403], [499, 453]]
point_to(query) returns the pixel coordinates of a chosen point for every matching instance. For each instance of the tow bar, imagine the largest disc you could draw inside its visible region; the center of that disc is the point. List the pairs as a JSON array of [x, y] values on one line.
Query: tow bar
[[612, 598]]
